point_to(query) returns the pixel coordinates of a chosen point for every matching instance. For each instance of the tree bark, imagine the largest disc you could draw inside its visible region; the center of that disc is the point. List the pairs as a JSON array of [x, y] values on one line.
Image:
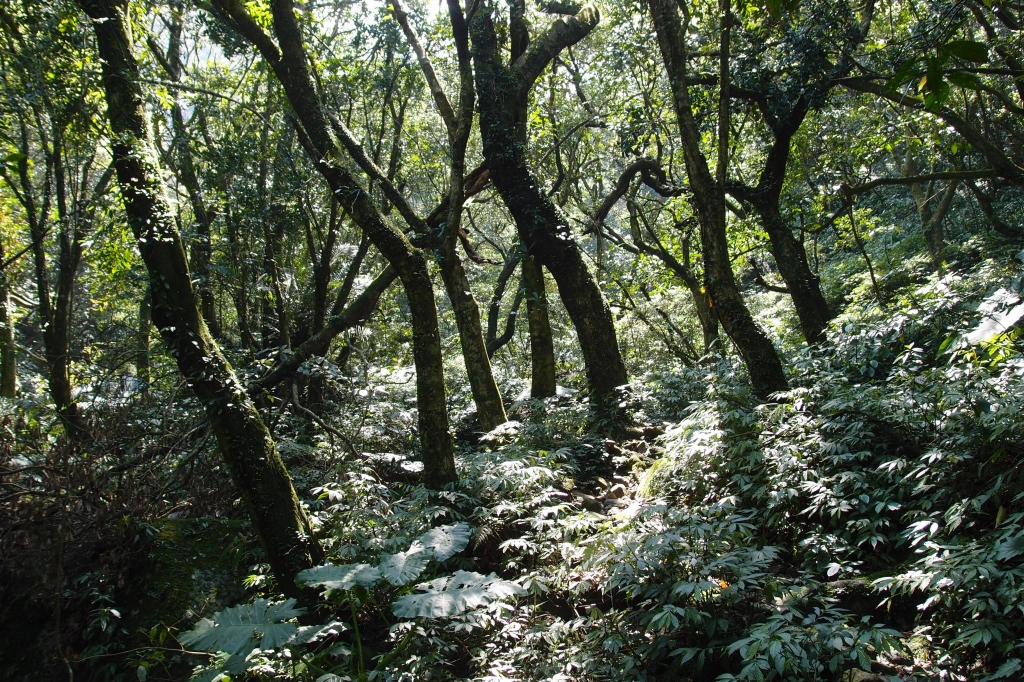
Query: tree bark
[[201, 247], [356, 313], [930, 213], [804, 286], [542, 348], [459, 122], [758, 353], [543, 229], [244, 441], [8, 362], [142, 361]]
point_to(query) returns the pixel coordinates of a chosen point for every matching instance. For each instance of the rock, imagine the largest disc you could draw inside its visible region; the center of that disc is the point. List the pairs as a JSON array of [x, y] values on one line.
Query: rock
[[615, 492], [653, 480], [591, 503], [612, 447]]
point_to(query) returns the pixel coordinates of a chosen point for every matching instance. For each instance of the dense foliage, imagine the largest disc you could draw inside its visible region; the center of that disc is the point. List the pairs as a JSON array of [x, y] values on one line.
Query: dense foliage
[[502, 341]]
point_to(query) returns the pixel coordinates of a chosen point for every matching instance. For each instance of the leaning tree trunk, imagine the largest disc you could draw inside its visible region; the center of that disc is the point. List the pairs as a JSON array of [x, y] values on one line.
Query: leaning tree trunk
[[804, 287], [245, 443], [490, 409], [758, 353], [288, 61], [459, 123], [543, 229], [58, 335]]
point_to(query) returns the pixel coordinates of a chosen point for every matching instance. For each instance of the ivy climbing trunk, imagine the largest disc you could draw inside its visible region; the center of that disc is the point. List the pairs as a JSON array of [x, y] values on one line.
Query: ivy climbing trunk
[[245, 443]]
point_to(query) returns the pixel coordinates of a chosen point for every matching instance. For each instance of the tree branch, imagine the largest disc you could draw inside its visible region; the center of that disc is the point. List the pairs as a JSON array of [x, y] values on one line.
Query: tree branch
[[444, 105], [563, 33], [354, 314]]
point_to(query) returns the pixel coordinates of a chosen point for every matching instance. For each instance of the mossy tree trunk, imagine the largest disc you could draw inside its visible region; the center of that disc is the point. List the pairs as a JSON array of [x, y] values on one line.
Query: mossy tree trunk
[[758, 353], [543, 230], [542, 346], [244, 441]]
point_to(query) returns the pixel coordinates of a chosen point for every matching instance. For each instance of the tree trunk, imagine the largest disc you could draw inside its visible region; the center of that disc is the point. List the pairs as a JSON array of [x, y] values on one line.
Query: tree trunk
[[289, 63], [542, 348], [201, 248], [933, 227], [244, 441], [543, 229], [240, 281], [804, 287], [8, 363], [184, 169], [930, 214], [142, 362], [756, 349], [790, 257], [490, 409]]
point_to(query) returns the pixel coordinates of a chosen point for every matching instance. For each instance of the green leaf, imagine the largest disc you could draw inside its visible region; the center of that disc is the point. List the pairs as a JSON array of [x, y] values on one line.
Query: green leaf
[[1010, 667], [311, 633], [451, 595], [968, 50], [1010, 548], [964, 80], [908, 71], [343, 577], [446, 541], [234, 630], [404, 567]]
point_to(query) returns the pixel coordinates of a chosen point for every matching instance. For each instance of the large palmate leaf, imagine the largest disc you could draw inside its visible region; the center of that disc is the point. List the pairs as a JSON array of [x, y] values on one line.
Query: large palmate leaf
[[404, 567], [446, 541], [236, 629], [451, 595], [343, 577]]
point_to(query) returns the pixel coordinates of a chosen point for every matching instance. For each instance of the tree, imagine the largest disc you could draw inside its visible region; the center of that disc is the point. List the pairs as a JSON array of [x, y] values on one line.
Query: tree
[[543, 229], [760, 357], [243, 439], [317, 134]]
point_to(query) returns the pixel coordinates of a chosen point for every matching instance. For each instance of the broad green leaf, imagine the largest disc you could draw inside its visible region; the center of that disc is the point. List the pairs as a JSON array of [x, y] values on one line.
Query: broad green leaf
[[404, 567], [968, 50], [311, 633], [964, 80], [234, 630], [1010, 548], [343, 577], [451, 595], [446, 541]]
